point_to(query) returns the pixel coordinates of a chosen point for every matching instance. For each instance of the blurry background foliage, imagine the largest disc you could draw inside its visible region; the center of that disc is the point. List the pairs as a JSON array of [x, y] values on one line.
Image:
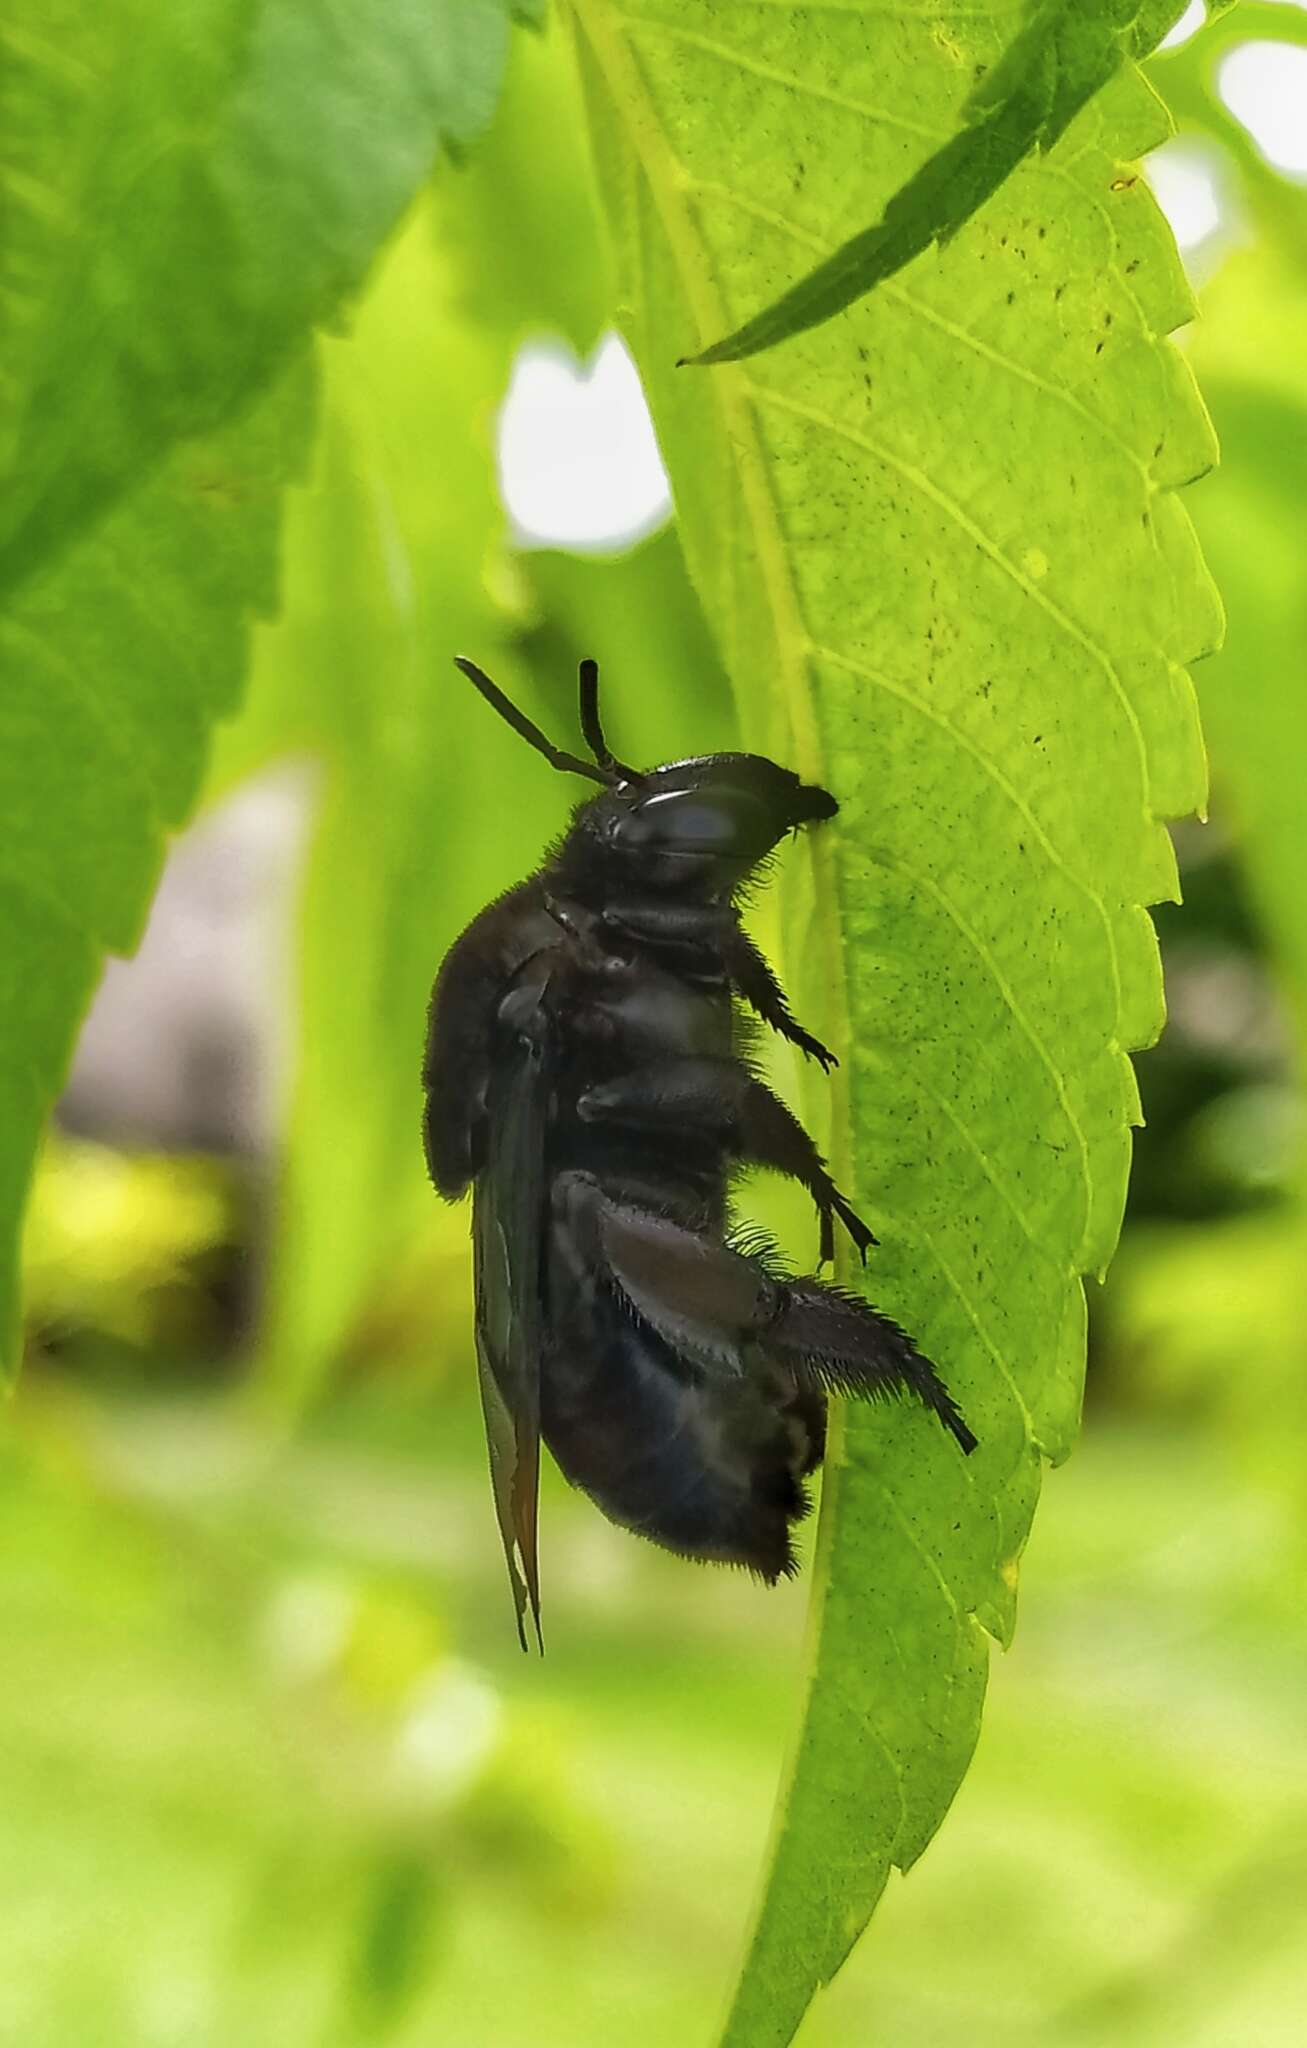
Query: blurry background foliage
[[271, 1768]]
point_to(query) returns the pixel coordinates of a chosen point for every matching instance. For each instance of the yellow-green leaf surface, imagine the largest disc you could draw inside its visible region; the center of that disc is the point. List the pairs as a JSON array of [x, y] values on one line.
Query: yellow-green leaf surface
[[937, 543], [1063, 54]]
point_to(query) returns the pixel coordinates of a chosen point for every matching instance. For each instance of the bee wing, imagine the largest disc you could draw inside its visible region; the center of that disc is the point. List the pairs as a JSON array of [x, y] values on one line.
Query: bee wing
[[507, 1241]]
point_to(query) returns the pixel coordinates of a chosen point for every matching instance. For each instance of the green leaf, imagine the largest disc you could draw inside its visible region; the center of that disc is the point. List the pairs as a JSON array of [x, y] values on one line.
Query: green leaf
[[938, 547], [1065, 53], [190, 189], [113, 667], [186, 191]]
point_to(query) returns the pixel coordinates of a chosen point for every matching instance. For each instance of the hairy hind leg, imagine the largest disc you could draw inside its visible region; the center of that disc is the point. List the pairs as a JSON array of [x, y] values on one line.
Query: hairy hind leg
[[719, 1309]]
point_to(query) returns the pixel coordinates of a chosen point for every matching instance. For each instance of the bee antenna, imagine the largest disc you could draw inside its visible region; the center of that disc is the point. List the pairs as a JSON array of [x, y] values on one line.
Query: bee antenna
[[571, 764], [614, 770]]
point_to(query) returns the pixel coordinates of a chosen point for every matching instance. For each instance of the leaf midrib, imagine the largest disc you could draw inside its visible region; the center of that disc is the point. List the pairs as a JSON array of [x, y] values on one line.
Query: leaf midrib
[[649, 144]]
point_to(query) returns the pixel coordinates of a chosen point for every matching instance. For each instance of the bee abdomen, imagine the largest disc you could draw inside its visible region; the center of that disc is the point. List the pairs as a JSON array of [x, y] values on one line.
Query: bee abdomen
[[713, 1468]]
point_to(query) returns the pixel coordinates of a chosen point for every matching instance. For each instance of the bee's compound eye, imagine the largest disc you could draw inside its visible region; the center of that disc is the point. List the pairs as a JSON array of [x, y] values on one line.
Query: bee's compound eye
[[703, 823], [709, 821]]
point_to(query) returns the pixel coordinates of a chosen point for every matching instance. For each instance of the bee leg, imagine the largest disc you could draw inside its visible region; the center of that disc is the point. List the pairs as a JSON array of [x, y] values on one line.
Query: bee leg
[[755, 981], [700, 1297], [710, 940], [720, 1309], [723, 1096], [838, 1342]]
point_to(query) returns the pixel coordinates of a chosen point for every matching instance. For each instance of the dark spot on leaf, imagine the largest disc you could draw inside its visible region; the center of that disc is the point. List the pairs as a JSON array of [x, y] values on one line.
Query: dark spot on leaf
[[1010, 297], [1041, 233], [1058, 290], [1107, 319], [1132, 266], [1124, 184], [1098, 348]]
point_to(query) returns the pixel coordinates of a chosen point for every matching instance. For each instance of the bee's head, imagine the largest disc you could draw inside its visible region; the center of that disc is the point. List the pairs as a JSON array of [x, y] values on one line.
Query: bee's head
[[692, 828], [697, 827]]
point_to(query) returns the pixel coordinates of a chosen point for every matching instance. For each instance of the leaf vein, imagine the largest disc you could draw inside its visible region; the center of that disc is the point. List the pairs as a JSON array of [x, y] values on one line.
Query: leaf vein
[[802, 88], [965, 1303], [818, 246], [904, 1076], [931, 1562], [766, 394], [1000, 781], [984, 953]]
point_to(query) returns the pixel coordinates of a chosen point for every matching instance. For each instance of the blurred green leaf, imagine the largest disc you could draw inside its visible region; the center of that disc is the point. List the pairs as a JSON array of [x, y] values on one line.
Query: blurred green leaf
[[1065, 52], [1187, 1301], [1250, 518], [520, 225], [1188, 79], [113, 666], [1250, 511], [938, 548], [188, 192], [191, 190]]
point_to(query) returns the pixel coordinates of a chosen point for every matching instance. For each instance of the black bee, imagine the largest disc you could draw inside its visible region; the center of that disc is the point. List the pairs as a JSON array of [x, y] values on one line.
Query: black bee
[[584, 1076]]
